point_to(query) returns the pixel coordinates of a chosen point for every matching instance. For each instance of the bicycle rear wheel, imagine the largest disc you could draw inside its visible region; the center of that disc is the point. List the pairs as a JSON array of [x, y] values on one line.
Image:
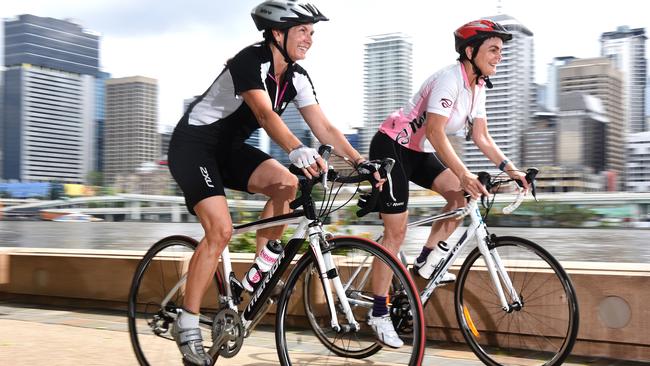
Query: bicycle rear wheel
[[310, 339], [162, 268], [542, 331]]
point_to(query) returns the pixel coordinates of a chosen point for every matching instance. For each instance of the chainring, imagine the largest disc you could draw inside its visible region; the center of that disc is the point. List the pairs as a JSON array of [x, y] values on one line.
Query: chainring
[[400, 314], [227, 334]]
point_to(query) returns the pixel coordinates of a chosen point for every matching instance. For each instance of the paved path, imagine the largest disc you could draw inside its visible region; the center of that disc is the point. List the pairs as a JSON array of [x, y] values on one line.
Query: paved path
[[38, 335]]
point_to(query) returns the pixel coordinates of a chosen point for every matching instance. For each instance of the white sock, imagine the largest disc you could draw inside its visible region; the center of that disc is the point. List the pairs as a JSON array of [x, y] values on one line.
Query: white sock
[[188, 320]]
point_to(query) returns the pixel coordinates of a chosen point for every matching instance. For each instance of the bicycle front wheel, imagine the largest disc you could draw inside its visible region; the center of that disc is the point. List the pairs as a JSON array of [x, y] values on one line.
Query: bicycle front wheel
[[310, 339], [539, 330], [160, 276]]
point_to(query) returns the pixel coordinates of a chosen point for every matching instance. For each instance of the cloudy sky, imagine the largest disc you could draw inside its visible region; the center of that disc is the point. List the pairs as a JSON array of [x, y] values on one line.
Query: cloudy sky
[[184, 44]]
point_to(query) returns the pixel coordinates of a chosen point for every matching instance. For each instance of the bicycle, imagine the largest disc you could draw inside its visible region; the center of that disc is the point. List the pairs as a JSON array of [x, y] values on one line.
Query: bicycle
[[512, 298], [157, 291]]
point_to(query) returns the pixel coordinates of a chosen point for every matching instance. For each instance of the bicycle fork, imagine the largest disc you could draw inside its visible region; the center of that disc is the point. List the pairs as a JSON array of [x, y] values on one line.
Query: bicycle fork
[[328, 272], [497, 271]]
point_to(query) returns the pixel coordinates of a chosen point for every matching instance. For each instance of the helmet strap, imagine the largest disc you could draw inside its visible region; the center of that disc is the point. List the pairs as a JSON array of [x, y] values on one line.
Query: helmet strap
[[477, 70], [283, 48]]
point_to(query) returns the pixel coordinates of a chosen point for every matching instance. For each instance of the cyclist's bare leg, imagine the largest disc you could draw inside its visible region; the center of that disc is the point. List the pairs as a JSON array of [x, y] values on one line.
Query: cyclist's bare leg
[[394, 233], [448, 185], [215, 218], [276, 182], [217, 225]]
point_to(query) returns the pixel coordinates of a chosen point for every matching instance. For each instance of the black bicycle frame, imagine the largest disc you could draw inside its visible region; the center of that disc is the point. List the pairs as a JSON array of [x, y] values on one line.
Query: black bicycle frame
[[270, 280]]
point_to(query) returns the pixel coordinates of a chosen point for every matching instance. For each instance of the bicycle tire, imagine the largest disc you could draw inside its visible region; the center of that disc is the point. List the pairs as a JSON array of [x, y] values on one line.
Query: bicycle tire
[[543, 331], [299, 341], [149, 328]]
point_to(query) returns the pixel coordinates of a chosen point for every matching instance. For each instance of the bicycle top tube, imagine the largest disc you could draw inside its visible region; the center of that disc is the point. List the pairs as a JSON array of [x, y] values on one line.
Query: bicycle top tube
[[290, 218]]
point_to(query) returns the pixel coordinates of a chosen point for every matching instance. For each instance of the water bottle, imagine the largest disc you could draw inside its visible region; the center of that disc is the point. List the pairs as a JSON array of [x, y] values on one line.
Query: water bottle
[[262, 264], [438, 254], [434, 259]]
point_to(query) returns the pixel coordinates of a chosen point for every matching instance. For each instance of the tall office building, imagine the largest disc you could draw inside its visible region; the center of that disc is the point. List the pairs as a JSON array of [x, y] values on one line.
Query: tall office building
[[387, 81], [100, 92], [553, 82], [130, 131], [599, 78], [511, 102], [49, 99], [581, 132], [626, 48], [539, 141]]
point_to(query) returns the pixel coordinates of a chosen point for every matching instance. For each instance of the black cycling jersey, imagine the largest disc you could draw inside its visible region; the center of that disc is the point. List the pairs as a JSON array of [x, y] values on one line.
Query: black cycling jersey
[[207, 152], [220, 112]]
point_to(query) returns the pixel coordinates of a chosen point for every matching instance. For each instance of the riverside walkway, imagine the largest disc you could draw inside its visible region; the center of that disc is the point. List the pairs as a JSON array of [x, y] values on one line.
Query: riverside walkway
[[31, 334]]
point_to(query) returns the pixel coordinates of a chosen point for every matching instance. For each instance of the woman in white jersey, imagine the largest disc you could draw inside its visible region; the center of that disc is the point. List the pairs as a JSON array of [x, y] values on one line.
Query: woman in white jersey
[[449, 102]]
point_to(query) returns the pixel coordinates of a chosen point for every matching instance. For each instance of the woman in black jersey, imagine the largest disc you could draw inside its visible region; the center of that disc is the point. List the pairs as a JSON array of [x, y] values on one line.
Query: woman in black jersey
[[207, 152]]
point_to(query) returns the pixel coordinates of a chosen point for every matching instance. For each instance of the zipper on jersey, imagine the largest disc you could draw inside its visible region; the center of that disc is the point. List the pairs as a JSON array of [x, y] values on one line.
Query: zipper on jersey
[[278, 95]]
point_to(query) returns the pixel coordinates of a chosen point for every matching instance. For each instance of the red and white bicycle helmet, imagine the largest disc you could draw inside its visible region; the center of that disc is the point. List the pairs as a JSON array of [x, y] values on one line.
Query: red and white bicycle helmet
[[478, 30], [284, 14]]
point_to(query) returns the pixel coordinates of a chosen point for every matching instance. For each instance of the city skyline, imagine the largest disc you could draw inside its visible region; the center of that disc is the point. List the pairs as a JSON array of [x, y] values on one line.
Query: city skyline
[[157, 40]]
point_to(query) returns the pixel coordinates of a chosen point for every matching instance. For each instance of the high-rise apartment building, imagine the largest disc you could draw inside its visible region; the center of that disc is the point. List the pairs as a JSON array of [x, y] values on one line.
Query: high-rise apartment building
[[626, 48], [49, 100], [638, 162], [130, 131], [387, 81], [510, 103], [599, 78]]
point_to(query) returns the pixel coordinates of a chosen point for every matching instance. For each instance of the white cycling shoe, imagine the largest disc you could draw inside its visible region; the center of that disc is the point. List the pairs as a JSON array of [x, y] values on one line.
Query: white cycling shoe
[[384, 330]]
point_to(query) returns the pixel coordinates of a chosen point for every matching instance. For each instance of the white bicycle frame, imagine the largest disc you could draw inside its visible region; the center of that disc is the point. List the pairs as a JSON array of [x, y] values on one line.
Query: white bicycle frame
[[477, 230]]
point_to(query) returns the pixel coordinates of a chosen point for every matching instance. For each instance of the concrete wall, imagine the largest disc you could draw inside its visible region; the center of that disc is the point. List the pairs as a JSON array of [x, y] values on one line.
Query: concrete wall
[[614, 298]]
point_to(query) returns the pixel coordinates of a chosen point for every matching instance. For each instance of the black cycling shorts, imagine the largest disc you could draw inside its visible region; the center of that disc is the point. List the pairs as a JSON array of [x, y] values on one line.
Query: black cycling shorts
[[418, 167], [204, 170]]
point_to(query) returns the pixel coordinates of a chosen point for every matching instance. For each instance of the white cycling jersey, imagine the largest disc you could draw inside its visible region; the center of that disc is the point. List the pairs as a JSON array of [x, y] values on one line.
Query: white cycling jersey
[[447, 93]]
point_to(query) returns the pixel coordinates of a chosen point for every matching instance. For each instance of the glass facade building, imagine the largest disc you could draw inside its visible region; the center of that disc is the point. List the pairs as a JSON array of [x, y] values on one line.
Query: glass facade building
[[49, 97], [626, 48], [51, 43]]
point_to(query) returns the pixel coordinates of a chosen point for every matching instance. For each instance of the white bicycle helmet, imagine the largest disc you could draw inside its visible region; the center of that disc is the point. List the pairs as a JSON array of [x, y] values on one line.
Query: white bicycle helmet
[[284, 14]]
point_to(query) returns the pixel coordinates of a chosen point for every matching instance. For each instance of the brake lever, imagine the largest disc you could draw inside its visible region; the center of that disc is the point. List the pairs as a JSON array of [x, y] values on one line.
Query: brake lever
[[531, 173], [325, 151]]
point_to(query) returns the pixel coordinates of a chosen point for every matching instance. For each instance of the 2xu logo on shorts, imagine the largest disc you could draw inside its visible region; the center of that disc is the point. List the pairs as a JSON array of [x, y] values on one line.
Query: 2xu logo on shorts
[[206, 176]]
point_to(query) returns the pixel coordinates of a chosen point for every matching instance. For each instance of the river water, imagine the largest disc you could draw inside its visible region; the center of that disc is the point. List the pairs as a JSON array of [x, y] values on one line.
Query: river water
[[600, 245]]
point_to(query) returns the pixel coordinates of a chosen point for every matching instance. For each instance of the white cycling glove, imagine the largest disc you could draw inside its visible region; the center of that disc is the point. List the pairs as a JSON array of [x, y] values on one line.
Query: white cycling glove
[[303, 156]]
